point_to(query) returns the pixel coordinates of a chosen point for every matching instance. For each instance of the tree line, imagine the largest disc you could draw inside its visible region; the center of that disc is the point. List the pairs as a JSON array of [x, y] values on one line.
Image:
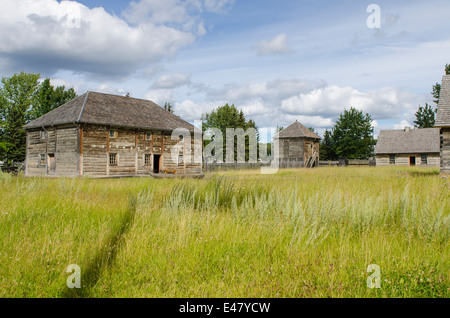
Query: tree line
[[23, 97]]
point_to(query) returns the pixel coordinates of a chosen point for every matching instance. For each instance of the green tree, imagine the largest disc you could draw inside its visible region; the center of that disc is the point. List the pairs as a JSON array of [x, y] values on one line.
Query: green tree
[[228, 117], [18, 95], [62, 96], [49, 98], [22, 99], [169, 107], [353, 135], [425, 117], [312, 130], [327, 151], [436, 92]]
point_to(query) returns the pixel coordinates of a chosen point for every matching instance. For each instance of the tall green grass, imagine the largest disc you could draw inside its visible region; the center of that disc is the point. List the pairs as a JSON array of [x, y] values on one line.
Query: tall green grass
[[298, 233]]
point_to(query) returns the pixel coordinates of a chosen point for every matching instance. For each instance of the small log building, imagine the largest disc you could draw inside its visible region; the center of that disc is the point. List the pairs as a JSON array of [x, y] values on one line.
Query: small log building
[[107, 135], [408, 147], [443, 123], [298, 147]]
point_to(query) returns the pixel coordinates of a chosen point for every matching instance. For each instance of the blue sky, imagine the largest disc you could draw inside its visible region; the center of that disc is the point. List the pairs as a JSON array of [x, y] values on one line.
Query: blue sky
[[277, 60]]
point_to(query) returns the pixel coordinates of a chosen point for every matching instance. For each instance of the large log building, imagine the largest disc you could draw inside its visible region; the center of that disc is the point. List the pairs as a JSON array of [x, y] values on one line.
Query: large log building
[[443, 123], [100, 135]]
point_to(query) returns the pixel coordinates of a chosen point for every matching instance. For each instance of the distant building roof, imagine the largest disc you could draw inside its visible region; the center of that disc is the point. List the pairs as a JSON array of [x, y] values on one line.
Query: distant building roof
[[426, 140], [443, 113], [296, 130], [111, 110]]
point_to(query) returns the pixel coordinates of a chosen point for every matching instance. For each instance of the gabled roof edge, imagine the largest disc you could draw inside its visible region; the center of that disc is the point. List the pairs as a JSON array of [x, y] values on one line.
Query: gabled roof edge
[[82, 107]]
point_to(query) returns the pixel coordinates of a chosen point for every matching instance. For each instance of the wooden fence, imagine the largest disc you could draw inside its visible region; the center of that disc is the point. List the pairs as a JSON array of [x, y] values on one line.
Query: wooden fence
[[208, 167]]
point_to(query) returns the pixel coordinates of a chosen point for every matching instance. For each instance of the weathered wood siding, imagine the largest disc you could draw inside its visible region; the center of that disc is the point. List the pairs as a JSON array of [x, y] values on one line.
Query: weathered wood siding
[[295, 152], [86, 151], [94, 153], [170, 157], [311, 147], [130, 147], [35, 147], [144, 147], [194, 165], [66, 152], [124, 145], [403, 160], [157, 143], [296, 149], [59, 142], [445, 150]]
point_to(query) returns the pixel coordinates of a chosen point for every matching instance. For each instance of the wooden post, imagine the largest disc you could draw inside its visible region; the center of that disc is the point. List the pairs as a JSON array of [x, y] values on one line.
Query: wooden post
[[46, 151], [107, 152], [80, 167], [136, 152], [152, 157], [162, 151], [26, 154]]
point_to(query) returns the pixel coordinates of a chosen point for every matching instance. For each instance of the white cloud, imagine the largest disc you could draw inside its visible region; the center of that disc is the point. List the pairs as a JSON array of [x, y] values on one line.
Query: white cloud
[[184, 14], [105, 88], [315, 104], [402, 124], [172, 81], [160, 96], [272, 91], [277, 46], [190, 110], [386, 103], [47, 35]]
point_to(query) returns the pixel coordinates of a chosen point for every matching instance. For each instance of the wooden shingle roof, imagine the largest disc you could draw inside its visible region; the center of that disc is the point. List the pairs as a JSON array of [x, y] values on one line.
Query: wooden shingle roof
[[443, 113], [296, 130], [111, 110], [426, 140]]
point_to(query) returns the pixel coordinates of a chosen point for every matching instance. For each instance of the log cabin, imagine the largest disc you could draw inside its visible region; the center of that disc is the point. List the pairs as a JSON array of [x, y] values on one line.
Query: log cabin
[[408, 147], [298, 146], [104, 135], [443, 124]]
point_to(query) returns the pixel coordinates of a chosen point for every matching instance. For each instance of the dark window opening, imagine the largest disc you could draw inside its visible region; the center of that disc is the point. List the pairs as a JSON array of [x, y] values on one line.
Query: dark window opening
[[147, 159], [392, 159], [41, 160], [424, 159], [113, 159]]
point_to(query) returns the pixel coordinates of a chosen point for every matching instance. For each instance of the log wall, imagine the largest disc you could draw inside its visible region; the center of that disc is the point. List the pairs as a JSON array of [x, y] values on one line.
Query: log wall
[[86, 151], [445, 150], [61, 143], [403, 160]]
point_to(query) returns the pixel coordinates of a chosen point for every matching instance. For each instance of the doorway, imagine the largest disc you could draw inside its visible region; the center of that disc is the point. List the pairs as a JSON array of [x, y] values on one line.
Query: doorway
[[51, 164], [412, 161], [156, 160]]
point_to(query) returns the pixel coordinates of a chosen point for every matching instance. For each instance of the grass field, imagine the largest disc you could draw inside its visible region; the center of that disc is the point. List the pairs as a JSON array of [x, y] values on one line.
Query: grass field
[[297, 233]]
